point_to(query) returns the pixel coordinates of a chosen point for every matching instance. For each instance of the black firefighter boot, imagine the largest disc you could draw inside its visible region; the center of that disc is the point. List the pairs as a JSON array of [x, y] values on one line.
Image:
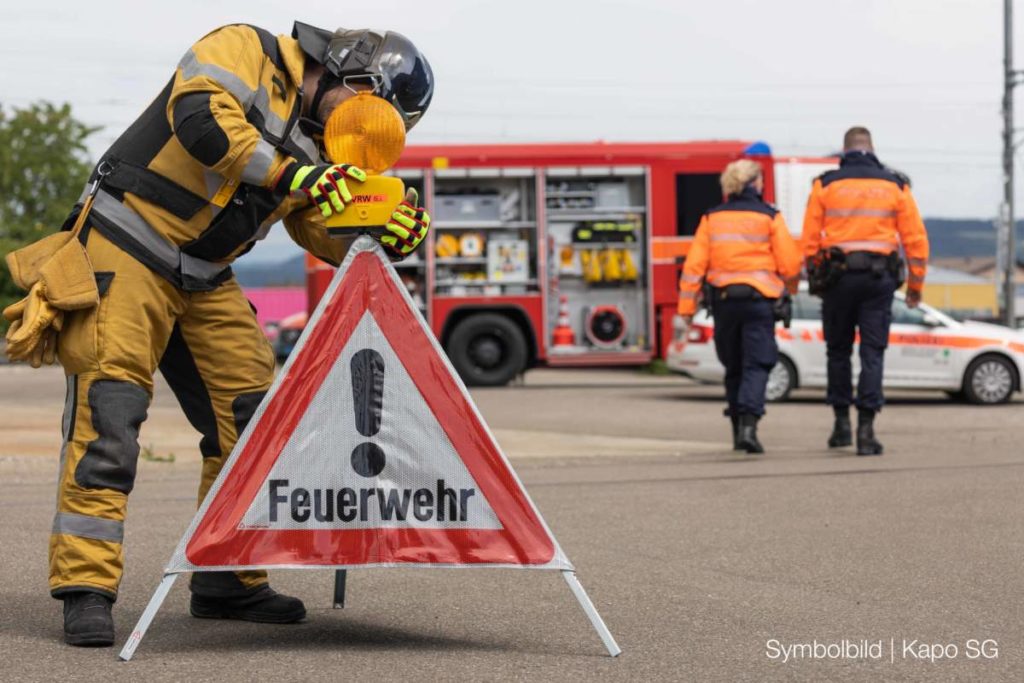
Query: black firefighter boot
[[867, 444], [262, 604], [842, 431], [746, 438], [87, 620], [735, 420]]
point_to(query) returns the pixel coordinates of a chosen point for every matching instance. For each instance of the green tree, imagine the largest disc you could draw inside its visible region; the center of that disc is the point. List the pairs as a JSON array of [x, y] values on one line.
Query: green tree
[[44, 165]]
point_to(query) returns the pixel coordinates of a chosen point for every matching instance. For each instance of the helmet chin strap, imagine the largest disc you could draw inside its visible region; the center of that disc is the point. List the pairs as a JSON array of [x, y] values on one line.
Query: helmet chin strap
[[311, 124]]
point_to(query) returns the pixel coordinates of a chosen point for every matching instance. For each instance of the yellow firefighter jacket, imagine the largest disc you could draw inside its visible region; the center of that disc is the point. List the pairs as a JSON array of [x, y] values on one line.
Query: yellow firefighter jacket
[[188, 187]]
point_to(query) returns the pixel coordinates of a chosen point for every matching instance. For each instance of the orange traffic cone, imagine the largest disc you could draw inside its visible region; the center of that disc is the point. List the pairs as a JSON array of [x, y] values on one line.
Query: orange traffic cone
[[563, 334]]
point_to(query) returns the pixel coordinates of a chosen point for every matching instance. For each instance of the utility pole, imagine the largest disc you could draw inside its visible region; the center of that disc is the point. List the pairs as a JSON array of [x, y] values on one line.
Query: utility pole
[[1008, 228]]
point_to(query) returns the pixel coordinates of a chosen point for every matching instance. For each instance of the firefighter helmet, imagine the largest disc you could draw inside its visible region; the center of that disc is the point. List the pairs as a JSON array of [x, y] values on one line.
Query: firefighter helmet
[[397, 70]]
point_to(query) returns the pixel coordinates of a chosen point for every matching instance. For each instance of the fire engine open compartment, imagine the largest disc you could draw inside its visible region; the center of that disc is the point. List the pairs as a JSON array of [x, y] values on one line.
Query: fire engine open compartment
[[485, 232], [598, 288]]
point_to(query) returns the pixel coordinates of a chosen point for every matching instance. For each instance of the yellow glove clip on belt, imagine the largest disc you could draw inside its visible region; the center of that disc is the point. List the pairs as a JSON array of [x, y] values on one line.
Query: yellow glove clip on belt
[[366, 131]]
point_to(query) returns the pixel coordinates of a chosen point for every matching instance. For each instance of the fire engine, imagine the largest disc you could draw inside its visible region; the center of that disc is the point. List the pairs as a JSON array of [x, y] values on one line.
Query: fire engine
[[564, 254]]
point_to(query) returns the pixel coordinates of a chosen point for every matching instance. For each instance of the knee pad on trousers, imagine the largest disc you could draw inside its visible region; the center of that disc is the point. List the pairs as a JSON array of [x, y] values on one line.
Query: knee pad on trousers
[[243, 408], [118, 410]]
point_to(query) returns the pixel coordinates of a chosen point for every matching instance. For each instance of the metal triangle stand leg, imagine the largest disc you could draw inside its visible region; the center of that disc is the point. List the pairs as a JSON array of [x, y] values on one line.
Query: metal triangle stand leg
[[591, 612], [339, 588], [147, 617]]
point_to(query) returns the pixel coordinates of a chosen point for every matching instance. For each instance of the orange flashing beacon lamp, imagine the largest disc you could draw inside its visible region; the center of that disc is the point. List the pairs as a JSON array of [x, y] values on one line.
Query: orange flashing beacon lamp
[[366, 131]]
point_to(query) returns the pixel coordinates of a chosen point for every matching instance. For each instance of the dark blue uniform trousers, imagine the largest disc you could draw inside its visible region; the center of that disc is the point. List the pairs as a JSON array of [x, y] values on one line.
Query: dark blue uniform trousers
[[860, 300], [745, 343]]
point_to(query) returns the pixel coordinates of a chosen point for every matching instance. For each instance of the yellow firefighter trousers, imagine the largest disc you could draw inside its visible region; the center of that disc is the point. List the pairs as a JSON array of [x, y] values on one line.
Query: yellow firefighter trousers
[[217, 361]]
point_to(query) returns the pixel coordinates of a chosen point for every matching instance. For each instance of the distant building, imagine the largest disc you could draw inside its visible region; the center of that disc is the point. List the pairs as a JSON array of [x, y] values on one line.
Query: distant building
[[960, 293]]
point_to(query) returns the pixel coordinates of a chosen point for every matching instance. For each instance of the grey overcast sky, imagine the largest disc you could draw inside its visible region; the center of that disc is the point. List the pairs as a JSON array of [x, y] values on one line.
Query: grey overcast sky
[[924, 75]]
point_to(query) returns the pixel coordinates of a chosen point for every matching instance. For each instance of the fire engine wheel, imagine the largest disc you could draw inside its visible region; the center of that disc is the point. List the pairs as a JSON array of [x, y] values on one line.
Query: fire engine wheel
[[781, 381], [487, 350], [989, 380]]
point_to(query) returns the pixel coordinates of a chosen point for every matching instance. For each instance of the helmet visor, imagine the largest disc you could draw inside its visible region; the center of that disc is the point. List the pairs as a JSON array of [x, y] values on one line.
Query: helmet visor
[[407, 81]]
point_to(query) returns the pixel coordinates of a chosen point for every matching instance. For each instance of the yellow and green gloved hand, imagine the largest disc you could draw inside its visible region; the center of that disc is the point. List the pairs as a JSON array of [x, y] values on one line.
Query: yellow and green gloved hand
[[408, 226], [324, 185]]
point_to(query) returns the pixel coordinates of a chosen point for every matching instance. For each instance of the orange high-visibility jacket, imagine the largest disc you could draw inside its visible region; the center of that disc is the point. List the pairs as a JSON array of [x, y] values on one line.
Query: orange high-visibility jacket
[[743, 241], [863, 206]]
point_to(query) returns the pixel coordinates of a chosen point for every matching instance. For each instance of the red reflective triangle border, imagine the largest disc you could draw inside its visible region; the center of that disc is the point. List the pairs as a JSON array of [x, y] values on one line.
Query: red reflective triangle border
[[366, 285]]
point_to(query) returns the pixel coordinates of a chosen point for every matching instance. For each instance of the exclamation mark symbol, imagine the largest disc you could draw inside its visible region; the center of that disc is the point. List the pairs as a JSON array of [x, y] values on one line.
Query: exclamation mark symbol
[[368, 400]]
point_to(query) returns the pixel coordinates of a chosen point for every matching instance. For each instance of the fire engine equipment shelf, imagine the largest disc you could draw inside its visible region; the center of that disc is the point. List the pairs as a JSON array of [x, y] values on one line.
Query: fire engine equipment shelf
[[461, 260], [620, 213], [481, 283], [482, 225]]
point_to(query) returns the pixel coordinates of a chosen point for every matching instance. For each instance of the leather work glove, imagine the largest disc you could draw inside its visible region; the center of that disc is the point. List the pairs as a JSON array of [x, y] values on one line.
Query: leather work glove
[[324, 186], [407, 228], [34, 325]]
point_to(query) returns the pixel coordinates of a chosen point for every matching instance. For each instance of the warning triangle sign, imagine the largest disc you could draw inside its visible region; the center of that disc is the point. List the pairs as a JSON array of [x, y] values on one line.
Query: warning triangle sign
[[367, 451]]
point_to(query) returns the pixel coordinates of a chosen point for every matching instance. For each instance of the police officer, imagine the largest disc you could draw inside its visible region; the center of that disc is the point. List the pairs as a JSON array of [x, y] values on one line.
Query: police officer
[[227, 149], [744, 251], [857, 218]]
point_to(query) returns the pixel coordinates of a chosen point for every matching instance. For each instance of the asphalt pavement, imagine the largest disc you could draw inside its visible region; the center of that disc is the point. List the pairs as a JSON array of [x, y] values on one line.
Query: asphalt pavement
[[705, 564]]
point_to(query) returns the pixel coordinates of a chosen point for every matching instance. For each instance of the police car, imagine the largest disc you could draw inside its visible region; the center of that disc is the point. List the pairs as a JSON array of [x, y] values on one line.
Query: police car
[[975, 361]]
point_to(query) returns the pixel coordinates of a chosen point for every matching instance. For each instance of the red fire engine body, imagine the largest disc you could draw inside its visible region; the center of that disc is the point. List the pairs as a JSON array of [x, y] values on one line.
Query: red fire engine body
[[560, 254]]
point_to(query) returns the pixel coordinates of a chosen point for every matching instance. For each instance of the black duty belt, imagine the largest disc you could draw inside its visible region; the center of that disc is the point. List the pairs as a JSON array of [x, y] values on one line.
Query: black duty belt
[[866, 260], [738, 292]]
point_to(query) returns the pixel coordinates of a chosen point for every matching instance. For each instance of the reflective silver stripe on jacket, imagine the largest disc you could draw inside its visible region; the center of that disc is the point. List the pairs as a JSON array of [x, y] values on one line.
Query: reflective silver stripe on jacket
[[869, 213], [692, 279], [304, 143], [866, 245], [153, 242], [273, 123], [191, 67], [687, 295], [258, 166], [751, 238], [84, 526], [917, 262]]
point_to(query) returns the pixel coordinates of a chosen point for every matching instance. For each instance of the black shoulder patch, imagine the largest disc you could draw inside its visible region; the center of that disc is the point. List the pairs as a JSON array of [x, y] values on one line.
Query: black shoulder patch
[[744, 204], [903, 177], [859, 171]]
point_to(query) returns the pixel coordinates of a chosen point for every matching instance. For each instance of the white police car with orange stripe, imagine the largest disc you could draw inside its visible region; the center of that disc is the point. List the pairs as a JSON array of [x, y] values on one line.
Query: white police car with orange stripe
[[979, 362]]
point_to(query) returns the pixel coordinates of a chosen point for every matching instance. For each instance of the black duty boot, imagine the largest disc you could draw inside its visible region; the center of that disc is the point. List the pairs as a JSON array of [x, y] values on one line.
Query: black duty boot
[[746, 439], [735, 419], [265, 605], [87, 620], [867, 444], [842, 432]]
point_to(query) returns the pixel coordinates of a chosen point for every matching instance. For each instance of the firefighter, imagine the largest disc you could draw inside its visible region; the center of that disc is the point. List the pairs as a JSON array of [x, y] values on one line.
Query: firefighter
[[745, 253], [857, 218], [228, 148]]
